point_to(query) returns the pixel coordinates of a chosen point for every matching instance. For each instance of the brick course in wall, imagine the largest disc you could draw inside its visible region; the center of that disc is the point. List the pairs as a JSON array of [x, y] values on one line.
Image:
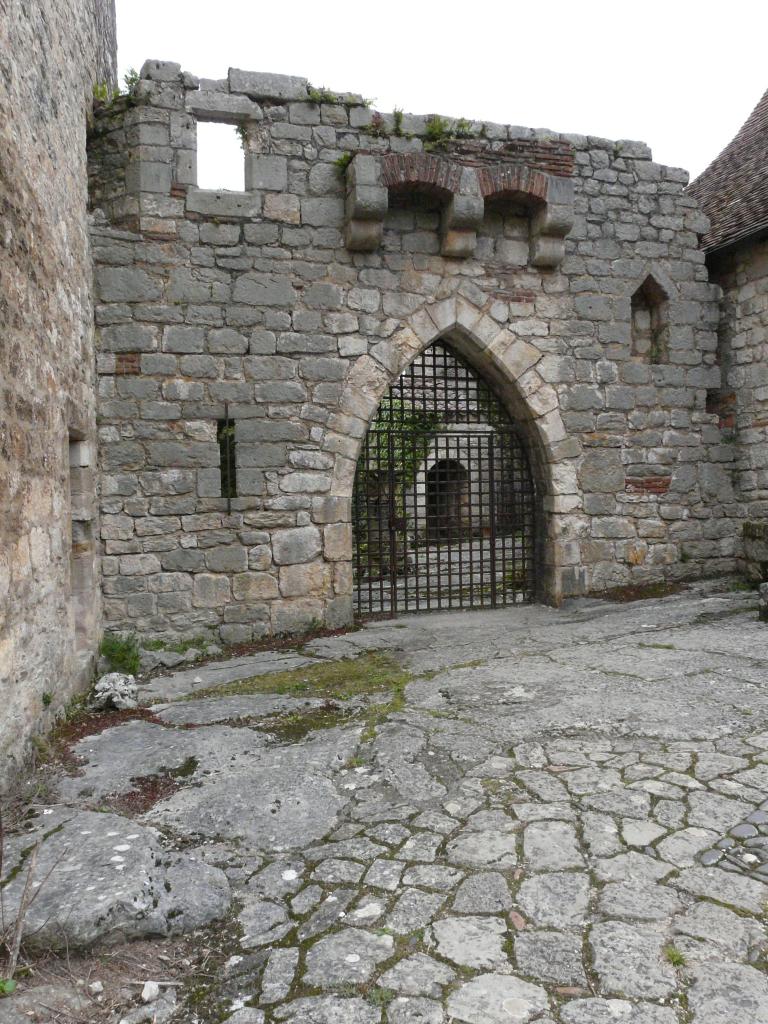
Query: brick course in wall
[[291, 308]]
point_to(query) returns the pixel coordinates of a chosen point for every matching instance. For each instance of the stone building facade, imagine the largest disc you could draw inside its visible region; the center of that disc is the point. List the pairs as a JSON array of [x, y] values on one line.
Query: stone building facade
[[733, 191], [244, 343], [51, 56], [566, 269]]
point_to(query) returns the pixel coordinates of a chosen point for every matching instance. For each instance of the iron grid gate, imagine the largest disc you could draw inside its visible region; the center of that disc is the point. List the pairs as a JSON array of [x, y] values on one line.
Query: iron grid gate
[[444, 501]]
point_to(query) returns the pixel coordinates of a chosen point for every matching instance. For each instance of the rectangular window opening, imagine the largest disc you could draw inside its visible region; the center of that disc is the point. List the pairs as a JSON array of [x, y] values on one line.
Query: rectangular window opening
[[225, 435], [81, 552], [722, 403], [220, 157]]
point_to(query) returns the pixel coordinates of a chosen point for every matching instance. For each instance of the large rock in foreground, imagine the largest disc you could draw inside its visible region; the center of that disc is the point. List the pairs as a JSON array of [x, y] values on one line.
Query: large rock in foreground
[[103, 878], [272, 809]]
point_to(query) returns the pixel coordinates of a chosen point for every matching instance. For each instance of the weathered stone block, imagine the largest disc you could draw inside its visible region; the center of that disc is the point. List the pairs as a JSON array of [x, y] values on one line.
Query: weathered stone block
[[225, 341], [254, 586], [296, 545], [126, 284], [322, 369], [211, 591], [264, 290], [293, 615], [283, 208], [183, 453], [232, 205], [280, 391], [602, 471], [183, 560], [270, 430], [303, 580], [227, 558], [260, 457], [161, 71], [266, 172], [129, 338], [337, 542], [139, 565], [222, 107], [325, 212], [145, 176], [265, 86], [220, 234], [305, 483], [199, 366], [183, 339]]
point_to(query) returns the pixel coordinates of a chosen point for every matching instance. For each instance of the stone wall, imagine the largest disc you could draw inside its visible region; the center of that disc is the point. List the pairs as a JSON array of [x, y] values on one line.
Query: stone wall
[[742, 397], [291, 308], [51, 54]]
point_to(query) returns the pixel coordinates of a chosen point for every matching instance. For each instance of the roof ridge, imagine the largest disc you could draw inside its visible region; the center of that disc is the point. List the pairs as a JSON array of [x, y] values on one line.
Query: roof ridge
[[733, 189]]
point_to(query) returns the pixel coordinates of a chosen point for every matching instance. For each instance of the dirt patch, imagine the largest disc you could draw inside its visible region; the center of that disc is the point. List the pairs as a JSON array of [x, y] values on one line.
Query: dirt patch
[[121, 971], [147, 791], [89, 723], [285, 642], [294, 726]]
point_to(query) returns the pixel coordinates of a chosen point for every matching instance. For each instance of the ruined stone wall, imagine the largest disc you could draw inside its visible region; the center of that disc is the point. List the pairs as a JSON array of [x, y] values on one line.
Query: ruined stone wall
[[51, 54], [291, 307], [742, 399]]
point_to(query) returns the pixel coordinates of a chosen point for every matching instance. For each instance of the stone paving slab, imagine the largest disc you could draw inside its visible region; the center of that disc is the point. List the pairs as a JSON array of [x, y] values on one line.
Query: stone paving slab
[[103, 878], [566, 821]]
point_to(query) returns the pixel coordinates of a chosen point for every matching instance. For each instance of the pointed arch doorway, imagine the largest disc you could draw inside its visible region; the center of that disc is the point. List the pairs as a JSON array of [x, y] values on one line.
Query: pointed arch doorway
[[444, 506]]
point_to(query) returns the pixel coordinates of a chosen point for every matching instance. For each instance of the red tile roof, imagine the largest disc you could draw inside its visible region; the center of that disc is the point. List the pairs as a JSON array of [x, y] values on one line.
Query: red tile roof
[[733, 190]]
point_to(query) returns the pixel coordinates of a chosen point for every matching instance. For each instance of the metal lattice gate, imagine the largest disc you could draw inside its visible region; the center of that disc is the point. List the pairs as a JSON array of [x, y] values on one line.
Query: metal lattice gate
[[444, 507]]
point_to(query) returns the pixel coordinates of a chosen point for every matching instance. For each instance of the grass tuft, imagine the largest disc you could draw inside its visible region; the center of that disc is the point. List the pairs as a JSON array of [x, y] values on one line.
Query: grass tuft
[[333, 681], [673, 956], [121, 651]]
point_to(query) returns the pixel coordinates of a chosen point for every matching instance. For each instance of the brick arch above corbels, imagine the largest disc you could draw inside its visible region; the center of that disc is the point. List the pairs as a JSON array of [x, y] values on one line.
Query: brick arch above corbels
[[463, 189]]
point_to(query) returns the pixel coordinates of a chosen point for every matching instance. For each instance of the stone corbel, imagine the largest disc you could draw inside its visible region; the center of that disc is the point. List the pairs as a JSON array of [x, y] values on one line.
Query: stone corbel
[[366, 205], [462, 216], [551, 223]]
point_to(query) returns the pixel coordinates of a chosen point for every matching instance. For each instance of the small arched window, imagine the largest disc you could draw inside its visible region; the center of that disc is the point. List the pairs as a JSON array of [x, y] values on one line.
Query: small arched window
[[650, 322]]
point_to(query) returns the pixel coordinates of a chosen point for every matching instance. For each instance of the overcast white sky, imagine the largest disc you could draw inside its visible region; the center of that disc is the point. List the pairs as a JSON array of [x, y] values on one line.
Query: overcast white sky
[[680, 75]]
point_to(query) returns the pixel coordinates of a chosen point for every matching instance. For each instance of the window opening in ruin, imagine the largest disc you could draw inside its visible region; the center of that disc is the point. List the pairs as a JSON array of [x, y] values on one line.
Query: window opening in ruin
[[721, 403], [81, 551], [444, 504], [225, 435], [447, 497], [220, 157], [650, 323]]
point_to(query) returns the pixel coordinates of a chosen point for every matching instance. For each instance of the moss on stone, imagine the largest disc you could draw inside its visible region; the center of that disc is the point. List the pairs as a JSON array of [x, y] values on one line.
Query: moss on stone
[[332, 680]]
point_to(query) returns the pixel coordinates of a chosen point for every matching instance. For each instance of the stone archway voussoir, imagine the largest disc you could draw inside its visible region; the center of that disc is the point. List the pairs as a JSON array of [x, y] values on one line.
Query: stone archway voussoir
[[444, 314], [513, 355]]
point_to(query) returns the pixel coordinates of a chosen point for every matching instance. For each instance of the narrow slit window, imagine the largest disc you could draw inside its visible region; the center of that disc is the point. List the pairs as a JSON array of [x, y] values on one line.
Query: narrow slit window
[[81, 552], [225, 435], [220, 157]]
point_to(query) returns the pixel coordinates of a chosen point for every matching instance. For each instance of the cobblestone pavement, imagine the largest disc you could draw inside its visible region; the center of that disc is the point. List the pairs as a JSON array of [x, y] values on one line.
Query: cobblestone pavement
[[565, 820]]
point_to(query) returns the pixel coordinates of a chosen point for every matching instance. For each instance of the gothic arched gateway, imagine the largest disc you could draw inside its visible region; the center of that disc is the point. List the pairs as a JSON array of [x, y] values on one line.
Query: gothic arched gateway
[[444, 504]]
